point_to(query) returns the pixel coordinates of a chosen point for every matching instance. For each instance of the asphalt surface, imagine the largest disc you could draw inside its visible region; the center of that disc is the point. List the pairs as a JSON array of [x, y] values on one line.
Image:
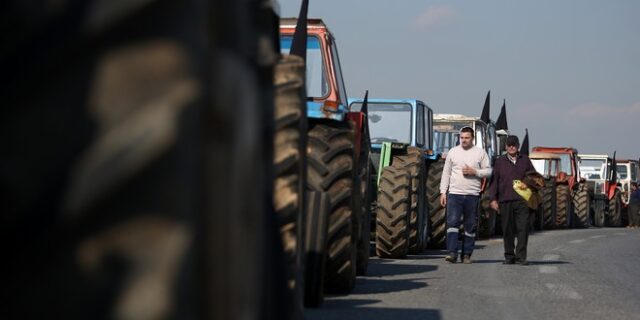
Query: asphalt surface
[[573, 274]]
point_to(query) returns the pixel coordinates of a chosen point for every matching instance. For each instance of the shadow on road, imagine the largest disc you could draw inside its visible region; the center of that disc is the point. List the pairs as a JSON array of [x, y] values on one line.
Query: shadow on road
[[374, 285], [531, 263], [382, 267], [371, 313]]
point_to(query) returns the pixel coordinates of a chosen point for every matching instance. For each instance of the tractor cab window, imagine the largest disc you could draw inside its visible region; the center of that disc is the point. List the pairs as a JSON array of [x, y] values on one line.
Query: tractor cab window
[[492, 141], [480, 137], [317, 84], [420, 126], [542, 166], [622, 171], [428, 127], [337, 68], [634, 172], [388, 122], [565, 163], [446, 135]]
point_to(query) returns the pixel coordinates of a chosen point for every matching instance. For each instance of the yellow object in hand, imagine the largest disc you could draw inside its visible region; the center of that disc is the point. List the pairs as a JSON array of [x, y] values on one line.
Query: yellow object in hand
[[522, 189]]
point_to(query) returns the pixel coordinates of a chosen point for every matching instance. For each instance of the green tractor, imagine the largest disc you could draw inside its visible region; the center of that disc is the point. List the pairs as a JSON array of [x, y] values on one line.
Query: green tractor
[[401, 148]]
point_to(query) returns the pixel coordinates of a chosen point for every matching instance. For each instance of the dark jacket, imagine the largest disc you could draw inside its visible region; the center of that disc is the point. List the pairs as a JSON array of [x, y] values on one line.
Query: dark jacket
[[635, 196], [504, 172]]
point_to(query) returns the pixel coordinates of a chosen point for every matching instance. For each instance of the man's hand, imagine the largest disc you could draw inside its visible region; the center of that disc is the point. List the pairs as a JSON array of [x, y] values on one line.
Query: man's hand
[[443, 200], [468, 171], [494, 205]]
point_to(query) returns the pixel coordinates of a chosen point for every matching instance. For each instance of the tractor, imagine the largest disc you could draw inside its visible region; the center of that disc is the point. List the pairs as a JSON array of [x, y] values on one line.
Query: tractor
[[548, 165], [573, 200], [627, 172], [401, 148], [605, 192], [336, 155]]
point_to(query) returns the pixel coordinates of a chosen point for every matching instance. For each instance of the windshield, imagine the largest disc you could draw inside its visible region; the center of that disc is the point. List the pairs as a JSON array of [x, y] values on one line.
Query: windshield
[[565, 163], [592, 169], [446, 135], [317, 85], [622, 171], [388, 122], [541, 166]]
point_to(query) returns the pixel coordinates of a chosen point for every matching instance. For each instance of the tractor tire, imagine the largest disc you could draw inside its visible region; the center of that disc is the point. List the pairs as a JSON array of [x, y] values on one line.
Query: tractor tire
[[599, 215], [582, 207], [486, 225], [330, 169], [414, 163], [615, 211], [316, 247], [548, 205], [437, 213], [564, 217], [364, 205], [394, 209], [290, 166]]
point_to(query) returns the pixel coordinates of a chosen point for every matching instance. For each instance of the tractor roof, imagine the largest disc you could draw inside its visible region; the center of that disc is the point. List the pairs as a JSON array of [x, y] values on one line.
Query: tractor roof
[[619, 161], [311, 23], [370, 100], [453, 117], [593, 156], [543, 155], [555, 149]]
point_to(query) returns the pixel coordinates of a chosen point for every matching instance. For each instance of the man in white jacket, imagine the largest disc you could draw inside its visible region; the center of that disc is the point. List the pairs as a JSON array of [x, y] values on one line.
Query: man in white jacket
[[460, 185]]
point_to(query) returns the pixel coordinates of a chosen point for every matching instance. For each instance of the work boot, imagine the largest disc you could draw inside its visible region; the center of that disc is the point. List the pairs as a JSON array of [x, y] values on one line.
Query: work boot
[[466, 259], [451, 258]]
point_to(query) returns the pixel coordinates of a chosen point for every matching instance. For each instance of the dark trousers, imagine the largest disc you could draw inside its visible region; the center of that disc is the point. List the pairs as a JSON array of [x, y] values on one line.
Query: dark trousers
[[459, 208], [634, 213], [515, 223]]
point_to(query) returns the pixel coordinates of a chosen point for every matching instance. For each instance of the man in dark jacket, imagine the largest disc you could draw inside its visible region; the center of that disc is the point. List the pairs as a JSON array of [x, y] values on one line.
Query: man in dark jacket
[[634, 206], [511, 206]]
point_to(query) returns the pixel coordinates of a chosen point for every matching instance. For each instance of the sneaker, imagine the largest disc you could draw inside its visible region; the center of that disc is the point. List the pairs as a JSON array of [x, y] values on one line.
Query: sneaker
[[466, 259], [450, 258]]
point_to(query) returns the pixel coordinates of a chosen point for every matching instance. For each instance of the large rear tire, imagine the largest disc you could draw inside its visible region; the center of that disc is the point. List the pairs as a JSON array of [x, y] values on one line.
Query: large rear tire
[[392, 218], [413, 163], [486, 225], [316, 248], [563, 207], [289, 166], [437, 213], [549, 204], [364, 204], [615, 210], [599, 216], [582, 207], [330, 169]]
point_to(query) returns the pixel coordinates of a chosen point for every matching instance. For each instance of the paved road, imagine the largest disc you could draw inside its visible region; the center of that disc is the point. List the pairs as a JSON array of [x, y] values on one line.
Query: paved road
[[573, 274]]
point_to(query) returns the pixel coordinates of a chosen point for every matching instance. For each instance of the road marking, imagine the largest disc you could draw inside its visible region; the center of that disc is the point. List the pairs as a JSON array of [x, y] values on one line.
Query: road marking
[[597, 237], [577, 241], [548, 269], [557, 248], [563, 291], [620, 234], [551, 257]]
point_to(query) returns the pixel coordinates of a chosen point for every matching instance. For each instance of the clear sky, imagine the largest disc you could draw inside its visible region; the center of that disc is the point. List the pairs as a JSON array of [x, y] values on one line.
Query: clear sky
[[569, 70]]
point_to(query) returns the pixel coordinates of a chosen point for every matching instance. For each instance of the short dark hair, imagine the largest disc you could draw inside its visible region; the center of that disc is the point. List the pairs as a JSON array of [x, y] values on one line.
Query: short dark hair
[[469, 130]]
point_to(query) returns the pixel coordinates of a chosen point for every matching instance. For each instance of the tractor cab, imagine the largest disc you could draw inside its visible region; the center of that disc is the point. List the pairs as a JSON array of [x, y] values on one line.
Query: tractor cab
[[628, 172], [546, 164], [446, 133], [598, 171]]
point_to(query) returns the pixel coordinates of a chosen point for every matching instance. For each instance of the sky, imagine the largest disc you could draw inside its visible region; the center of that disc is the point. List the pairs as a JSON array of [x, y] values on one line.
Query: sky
[[569, 70]]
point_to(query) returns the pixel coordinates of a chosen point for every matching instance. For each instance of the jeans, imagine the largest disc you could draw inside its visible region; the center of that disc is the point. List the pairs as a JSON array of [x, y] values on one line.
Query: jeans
[[461, 207], [515, 223]]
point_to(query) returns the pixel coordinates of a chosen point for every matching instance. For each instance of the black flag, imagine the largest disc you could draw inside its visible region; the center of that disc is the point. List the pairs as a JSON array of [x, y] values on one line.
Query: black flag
[[524, 148], [365, 110], [485, 111], [299, 42], [501, 124]]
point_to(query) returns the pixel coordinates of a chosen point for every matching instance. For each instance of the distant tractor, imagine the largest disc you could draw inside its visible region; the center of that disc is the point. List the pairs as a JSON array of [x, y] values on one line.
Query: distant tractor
[[628, 171], [602, 185], [401, 148], [548, 165], [335, 160], [446, 135], [572, 197]]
